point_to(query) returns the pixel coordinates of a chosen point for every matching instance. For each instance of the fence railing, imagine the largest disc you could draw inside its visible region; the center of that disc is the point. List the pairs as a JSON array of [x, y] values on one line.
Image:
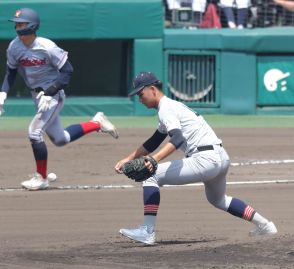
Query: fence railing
[[192, 77]]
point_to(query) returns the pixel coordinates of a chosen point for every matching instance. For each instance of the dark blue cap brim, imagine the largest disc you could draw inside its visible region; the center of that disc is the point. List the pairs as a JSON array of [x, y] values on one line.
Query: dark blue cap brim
[[135, 91]]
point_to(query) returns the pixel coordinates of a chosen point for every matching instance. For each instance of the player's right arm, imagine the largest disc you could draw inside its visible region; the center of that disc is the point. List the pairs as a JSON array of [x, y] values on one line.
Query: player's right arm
[[6, 85], [8, 79], [62, 80], [148, 146], [140, 151]]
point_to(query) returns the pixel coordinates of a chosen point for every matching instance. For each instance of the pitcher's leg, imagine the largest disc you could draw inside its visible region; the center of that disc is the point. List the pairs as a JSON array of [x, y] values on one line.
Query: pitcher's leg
[[151, 199], [215, 193], [145, 233], [186, 171], [175, 173]]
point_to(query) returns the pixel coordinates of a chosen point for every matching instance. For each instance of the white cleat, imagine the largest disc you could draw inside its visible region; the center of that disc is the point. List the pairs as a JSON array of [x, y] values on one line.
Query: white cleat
[[139, 234], [268, 228], [36, 183], [105, 125]]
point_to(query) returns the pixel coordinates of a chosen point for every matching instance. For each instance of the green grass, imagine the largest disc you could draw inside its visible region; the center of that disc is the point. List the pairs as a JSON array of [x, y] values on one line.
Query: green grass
[[216, 121]]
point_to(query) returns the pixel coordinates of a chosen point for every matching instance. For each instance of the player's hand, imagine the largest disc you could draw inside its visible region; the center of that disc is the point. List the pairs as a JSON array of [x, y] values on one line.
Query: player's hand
[[3, 96], [120, 164], [44, 103]]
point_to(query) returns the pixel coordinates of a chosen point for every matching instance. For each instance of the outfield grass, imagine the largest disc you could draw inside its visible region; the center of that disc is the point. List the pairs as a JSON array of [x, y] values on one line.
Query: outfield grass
[[216, 121]]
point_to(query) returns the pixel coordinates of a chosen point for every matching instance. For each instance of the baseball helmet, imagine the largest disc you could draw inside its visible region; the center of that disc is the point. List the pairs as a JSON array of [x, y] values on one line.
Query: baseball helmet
[[28, 16]]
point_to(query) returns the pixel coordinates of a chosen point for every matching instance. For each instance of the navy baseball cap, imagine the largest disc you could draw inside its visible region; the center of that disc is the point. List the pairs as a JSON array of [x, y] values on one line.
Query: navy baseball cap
[[142, 80]]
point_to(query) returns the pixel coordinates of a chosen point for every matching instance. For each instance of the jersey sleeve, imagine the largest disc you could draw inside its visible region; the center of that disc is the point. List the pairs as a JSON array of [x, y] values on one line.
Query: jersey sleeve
[[168, 121], [58, 56], [11, 60]]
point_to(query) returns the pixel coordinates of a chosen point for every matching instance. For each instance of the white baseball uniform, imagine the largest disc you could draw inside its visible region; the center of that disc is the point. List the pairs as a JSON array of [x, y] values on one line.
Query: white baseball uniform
[[207, 166], [206, 161]]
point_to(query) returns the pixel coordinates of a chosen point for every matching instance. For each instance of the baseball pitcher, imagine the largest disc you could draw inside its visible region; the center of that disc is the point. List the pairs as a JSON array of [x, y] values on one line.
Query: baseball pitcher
[[205, 161]]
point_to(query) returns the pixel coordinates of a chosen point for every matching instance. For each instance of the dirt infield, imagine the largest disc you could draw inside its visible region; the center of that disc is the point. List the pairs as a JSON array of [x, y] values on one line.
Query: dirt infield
[[74, 227]]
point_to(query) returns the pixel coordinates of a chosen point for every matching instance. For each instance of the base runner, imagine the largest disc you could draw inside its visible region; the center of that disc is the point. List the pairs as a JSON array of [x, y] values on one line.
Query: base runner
[[46, 70]]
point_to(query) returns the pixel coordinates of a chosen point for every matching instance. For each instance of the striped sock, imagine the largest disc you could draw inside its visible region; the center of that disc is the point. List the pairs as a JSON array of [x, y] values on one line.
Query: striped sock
[[41, 156], [78, 130], [151, 205], [239, 209]]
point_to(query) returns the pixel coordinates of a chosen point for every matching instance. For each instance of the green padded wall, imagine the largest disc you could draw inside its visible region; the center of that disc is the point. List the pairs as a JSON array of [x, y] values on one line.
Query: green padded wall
[[147, 57], [89, 19], [238, 83], [266, 40], [238, 51]]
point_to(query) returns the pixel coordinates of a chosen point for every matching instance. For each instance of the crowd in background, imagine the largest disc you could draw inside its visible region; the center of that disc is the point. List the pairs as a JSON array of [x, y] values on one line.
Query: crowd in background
[[236, 14]]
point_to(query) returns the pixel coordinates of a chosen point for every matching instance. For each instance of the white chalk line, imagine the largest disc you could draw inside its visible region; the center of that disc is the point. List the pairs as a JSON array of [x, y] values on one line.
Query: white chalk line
[[263, 162], [252, 182], [75, 187], [99, 187]]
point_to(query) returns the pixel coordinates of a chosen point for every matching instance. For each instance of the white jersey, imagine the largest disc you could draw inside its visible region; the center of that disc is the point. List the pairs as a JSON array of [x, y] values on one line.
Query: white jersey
[[175, 115], [39, 63]]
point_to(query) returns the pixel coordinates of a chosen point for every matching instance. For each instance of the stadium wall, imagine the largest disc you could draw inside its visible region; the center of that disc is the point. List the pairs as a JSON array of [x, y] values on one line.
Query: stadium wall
[[110, 41]]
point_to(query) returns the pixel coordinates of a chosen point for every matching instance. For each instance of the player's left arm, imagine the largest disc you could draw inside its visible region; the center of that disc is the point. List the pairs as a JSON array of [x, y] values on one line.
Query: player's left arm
[[61, 82], [63, 79]]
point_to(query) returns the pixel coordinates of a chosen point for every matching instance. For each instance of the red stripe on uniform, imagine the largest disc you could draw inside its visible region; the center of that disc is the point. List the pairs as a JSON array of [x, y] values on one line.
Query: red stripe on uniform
[[248, 213], [150, 206]]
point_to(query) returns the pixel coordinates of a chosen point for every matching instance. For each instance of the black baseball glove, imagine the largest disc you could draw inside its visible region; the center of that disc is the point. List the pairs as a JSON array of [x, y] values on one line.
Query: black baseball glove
[[137, 170]]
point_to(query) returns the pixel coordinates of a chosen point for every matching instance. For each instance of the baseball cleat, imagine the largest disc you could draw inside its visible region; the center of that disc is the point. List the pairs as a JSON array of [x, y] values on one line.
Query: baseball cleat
[[105, 125], [36, 183], [268, 228], [139, 234]]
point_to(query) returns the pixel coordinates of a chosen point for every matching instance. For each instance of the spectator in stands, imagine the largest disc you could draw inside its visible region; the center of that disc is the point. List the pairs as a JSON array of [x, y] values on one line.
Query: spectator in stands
[[242, 12], [197, 7], [287, 4]]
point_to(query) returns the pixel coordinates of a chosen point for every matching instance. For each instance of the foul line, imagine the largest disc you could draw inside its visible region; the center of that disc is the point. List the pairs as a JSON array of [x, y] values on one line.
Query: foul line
[[99, 187], [263, 162], [256, 182], [75, 187]]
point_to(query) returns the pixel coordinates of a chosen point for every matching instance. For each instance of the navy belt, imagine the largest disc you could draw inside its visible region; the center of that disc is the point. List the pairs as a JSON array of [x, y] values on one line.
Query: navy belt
[[208, 147], [204, 148]]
